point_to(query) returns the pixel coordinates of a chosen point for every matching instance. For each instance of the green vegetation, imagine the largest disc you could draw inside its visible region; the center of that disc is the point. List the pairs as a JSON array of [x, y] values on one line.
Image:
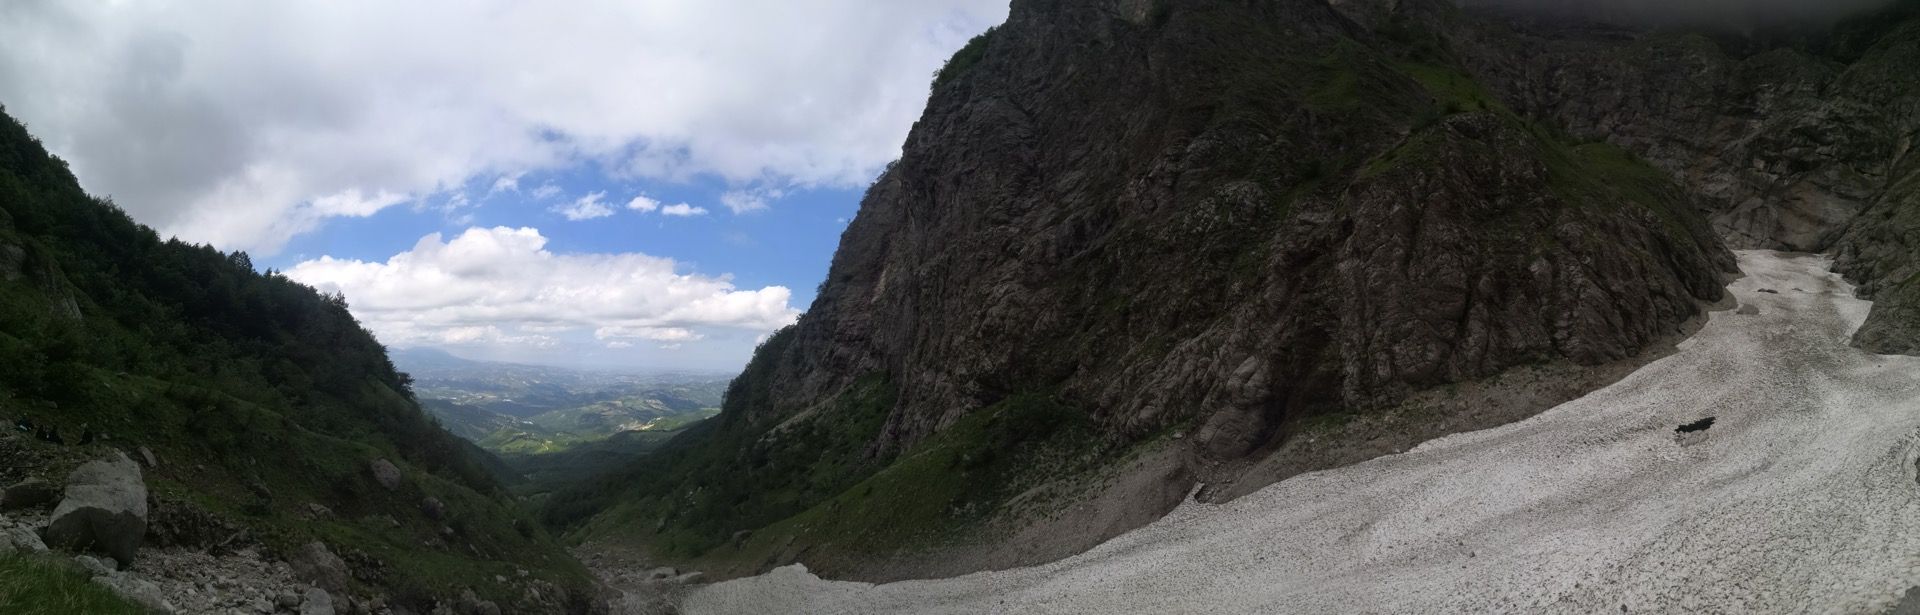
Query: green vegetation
[[713, 482], [945, 489], [261, 395], [37, 585], [964, 59]]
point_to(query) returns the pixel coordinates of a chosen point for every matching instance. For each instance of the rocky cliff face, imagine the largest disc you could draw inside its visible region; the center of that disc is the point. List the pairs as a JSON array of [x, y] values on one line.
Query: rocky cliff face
[[1801, 146], [1161, 225], [1219, 219]]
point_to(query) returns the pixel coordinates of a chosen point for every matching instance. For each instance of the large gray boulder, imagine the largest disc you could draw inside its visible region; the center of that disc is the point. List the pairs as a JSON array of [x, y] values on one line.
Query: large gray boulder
[[315, 564], [316, 602], [104, 509], [385, 473]]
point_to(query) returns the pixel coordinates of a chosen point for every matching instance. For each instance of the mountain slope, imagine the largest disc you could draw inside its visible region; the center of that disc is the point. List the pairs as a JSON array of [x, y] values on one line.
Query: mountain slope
[[1798, 498], [1135, 245], [1801, 145], [263, 401]]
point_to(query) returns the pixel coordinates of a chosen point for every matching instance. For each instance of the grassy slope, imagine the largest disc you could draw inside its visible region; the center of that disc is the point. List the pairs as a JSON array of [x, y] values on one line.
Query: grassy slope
[[37, 585]]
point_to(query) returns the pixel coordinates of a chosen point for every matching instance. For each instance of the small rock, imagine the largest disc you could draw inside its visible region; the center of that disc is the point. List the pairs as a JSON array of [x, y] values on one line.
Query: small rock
[[499, 578], [663, 572], [261, 605], [138, 590], [318, 511], [385, 473], [316, 602], [287, 600], [29, 493], [314, 564], [93, 565], [23, 538], [433, 508], [104, 509], [146, 455]]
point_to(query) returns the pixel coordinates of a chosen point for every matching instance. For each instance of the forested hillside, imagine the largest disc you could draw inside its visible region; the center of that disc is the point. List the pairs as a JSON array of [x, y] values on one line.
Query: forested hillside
[[263, 402]]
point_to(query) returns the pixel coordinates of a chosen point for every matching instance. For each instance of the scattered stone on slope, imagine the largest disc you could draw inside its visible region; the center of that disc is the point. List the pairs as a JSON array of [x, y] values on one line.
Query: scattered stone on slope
[[141, 591], [433, 508], [316, 602], [315, 564], [146, 456], [32, 492], [385, 473], [103, 509]]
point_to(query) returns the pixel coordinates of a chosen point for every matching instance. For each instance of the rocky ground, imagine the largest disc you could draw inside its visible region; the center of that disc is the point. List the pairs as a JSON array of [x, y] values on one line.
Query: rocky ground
[[1799, 496], [98, 517], [644, 587]]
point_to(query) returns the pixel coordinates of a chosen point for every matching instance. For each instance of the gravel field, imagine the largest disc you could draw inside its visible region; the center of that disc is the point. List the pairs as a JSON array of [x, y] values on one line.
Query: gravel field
[[1800, 497]]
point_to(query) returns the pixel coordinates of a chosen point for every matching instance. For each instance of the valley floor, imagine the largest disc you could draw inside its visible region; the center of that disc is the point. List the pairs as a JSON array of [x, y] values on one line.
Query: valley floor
[[1800, 497]]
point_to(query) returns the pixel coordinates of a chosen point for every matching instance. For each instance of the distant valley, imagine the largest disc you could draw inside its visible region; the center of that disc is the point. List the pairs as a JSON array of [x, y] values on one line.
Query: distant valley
[[552, 425]]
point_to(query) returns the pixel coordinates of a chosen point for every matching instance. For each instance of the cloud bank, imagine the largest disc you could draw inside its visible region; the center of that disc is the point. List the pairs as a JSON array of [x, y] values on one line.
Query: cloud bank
[[244, 123], [501, 286]]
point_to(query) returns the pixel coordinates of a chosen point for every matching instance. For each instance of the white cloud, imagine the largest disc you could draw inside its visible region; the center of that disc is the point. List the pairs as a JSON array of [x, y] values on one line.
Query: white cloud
[[643, 204], [223, 121], [502, 286], [744, 201], [683, 210], [546, 191], [505, 183], [585, 208]]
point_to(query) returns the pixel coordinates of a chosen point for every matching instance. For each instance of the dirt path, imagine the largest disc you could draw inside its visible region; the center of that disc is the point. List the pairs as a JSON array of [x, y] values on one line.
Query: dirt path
[[1801, 497]]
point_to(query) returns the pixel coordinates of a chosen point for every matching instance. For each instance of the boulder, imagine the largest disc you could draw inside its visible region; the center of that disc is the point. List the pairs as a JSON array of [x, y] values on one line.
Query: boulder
[[385, 473], [29, 493], [25, 540], [433, 508], [104, 509], [93, 565], [140, 591], [316, 602], [315, 564]]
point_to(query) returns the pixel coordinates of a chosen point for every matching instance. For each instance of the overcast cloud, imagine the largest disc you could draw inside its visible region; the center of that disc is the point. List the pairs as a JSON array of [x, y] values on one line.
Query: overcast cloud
[[243, 123]]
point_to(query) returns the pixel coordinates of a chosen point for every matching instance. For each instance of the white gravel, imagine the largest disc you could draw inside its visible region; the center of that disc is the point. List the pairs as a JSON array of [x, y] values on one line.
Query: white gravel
[[1801, 498]]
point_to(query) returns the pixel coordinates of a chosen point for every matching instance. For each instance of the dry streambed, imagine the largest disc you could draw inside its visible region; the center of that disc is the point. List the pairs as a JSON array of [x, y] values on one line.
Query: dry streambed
[[1799, 496]]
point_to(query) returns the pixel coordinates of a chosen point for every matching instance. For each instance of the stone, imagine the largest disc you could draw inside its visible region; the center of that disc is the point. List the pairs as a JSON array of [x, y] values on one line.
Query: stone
[[146, 455], [29, 493], [318, 511], [315, 564], [316, 602], [433, 508], [261, 605], [24, 539], [385, 473], [663, 572], [141, 591], [287, 600], [93, 565], [104, 509]]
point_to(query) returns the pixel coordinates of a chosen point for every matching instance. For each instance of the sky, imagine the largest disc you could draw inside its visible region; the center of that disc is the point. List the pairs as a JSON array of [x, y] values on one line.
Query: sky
[[636, 184]]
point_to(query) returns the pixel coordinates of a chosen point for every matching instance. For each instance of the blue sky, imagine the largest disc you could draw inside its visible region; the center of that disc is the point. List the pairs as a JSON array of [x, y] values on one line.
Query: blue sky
[[462, 169]]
